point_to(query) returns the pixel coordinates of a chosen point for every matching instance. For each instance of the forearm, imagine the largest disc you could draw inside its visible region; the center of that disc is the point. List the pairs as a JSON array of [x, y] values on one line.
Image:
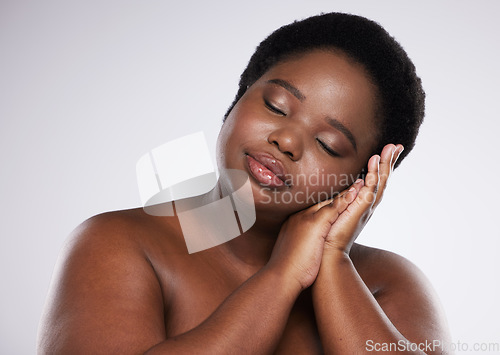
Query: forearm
[[347, 313], [251, 320]]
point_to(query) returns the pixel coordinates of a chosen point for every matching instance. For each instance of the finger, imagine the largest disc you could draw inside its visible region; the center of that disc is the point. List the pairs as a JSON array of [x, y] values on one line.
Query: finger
[[386, 162], [350, 194], [319, 205], [332, 210], [355, 184], [397, 154], [387, 158], [315, 208], [368, 194], [357, 211]]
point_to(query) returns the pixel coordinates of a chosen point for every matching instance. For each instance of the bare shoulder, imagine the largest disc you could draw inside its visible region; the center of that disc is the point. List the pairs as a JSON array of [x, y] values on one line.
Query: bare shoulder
[[104, 276], [403, 292], [381, 268], [127, 228], [386, 273], [109, 233]]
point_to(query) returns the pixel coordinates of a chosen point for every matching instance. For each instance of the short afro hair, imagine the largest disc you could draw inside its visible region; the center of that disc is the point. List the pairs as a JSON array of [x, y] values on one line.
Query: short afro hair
[[401, 97]]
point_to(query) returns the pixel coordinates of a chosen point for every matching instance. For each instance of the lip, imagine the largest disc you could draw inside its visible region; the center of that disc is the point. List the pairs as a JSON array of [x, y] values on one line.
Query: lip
[[266, 169]]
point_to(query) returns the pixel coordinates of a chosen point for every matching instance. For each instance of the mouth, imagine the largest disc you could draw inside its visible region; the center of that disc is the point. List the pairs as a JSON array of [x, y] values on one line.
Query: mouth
[[267, 170]]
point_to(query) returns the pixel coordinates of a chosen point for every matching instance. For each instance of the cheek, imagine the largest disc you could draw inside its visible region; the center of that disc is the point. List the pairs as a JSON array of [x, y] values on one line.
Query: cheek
[[322, 180], [319, 186], [240, 129], [243, 125]]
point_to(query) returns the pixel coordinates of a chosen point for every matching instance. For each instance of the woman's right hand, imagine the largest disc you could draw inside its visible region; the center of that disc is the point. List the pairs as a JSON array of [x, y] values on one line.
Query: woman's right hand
[[298, 251]]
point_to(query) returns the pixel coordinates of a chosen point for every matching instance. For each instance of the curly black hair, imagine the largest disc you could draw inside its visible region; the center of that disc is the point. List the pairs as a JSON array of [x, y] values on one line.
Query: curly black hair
[[401, 98]]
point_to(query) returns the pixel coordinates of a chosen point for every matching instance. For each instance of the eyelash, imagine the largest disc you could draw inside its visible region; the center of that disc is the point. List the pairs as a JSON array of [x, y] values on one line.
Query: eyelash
[[274, 109], [325, 147], [328, 149]]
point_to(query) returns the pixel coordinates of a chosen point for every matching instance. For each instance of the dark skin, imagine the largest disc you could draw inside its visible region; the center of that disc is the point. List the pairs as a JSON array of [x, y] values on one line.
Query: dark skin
[[294, 283]]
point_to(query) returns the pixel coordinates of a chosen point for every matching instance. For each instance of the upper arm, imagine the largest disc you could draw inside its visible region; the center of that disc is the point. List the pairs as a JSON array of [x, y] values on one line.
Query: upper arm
[[105, 297], [410, 302]]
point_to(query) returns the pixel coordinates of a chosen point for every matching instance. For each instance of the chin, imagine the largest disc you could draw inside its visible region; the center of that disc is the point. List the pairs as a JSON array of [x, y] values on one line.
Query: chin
[[276, 202]]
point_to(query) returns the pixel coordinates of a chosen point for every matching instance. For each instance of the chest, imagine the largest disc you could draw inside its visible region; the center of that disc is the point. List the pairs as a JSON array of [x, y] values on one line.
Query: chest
[[199, 291]]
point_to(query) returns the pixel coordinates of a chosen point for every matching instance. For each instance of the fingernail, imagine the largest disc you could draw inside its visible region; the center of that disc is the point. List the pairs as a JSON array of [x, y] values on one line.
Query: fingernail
[[351, 196], [358, 181], [400, 150]]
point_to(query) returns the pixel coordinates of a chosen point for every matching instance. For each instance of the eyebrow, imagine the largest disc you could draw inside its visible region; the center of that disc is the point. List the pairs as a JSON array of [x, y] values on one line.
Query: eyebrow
[[292, 89], [343, 129]]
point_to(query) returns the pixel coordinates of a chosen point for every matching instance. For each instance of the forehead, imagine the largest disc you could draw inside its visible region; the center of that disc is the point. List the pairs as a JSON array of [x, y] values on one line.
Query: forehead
[[333, 85]]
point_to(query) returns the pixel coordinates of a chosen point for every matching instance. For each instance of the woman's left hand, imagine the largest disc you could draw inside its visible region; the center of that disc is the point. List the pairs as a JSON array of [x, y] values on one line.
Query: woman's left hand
[[349, 224]]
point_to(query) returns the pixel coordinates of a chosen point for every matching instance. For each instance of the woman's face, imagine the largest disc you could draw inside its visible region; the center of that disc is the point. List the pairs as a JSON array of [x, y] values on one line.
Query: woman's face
[[302, 132]]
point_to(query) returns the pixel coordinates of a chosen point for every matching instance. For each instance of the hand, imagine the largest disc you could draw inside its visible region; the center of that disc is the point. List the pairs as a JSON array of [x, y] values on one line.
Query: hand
[[299, 248], [349, 224]]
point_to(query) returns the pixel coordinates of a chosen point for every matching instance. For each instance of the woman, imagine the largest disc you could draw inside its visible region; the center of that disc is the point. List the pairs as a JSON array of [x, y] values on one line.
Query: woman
[[320, 97]]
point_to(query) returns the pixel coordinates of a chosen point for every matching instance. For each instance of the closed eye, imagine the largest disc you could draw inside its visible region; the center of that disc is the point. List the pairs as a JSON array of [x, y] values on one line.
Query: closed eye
[[328, 149], [273, 108]]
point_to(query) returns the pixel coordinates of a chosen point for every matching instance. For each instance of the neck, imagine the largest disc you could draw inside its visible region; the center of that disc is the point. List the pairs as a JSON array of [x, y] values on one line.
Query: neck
[[252, 248]]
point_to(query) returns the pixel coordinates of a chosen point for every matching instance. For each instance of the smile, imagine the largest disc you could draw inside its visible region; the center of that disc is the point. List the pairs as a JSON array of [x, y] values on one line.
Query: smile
[[266, 169]]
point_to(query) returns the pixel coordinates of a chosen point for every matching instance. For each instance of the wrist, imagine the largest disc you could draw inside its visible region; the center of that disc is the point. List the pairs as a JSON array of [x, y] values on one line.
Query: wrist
[[334, 264], [334, 259], [282, 279], [333, 253]]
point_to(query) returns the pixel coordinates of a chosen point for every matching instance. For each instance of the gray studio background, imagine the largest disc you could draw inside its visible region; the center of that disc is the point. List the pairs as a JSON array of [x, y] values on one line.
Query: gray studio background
[[87, 87]]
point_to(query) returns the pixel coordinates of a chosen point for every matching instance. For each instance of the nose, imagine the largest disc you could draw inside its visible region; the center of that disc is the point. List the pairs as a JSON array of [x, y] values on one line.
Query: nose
[[288, 140]]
